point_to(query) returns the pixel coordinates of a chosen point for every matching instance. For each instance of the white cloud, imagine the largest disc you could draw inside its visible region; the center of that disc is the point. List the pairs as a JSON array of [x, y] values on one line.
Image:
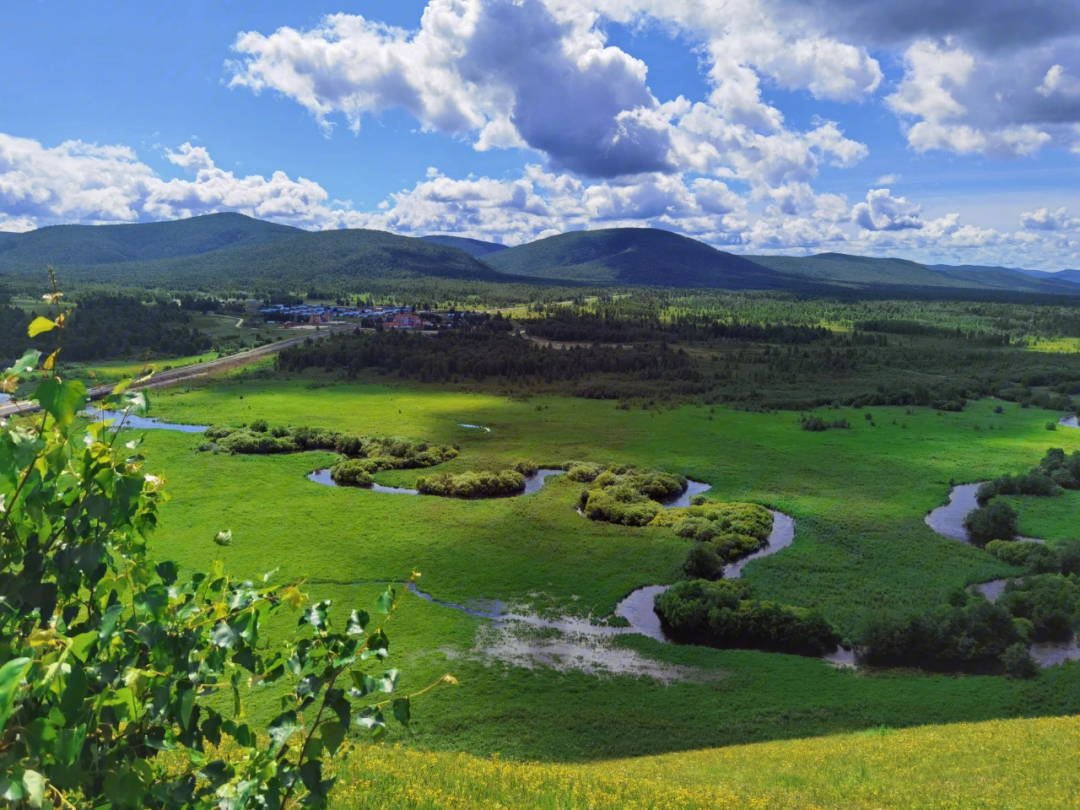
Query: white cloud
[[87, 183], [539, 74], [13, 225], [74, 181], [505, 70], [1043, 219], [887, 180], [883, 212]]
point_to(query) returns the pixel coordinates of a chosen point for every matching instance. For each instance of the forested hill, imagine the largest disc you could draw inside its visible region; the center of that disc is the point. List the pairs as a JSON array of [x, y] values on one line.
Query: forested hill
[[474, 247], [1011, 273], [296, 259], [636, 256], [864, 272], [67, 245], [232, 251]]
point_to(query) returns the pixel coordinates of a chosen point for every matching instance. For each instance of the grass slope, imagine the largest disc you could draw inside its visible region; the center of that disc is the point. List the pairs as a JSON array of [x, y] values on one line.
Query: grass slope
[[474, 247], [635, 256], [1002, 764], [858, 496], [66, 245]]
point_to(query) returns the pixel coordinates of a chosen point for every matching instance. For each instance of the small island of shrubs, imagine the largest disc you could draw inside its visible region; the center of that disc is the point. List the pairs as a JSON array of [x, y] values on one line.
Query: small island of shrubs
[[482, 484], [726, 614], [363, 456], [724, 532], [624, 494]]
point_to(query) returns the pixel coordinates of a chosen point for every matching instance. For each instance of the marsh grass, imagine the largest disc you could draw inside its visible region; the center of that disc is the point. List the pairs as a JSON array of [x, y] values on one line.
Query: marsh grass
[[858, 497]]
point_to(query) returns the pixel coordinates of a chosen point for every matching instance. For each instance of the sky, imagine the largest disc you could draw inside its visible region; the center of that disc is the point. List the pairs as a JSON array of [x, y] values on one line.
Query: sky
[[939, 132]]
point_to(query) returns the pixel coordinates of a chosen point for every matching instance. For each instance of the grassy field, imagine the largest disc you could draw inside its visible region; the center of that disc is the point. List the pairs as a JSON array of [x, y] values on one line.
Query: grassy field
[[858, 496], [1052, 519], [115, 370], [1003, 764]]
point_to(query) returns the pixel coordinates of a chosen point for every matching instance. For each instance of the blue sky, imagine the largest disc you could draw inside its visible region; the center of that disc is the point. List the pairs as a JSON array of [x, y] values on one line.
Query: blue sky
[[756, 125]]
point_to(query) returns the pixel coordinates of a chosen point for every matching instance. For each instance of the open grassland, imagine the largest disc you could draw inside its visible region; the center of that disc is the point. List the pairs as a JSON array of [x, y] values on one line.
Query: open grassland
[[858, 496], [1053, 519], [728, 697], [1002, 764], [116, 370]]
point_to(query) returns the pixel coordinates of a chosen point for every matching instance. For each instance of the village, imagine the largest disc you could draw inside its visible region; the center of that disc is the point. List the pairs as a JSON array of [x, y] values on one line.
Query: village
[[372, 317]]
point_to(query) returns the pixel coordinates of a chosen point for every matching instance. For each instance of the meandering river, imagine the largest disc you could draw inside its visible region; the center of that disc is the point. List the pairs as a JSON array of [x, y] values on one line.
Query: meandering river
[[637, 609]]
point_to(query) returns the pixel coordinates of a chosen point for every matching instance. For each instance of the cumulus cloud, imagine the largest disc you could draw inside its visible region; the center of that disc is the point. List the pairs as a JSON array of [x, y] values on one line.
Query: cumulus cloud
[[88, 183], [74, 181], [884, 212], [1043, 219], [989, 24], [539, 74], [506, 70]]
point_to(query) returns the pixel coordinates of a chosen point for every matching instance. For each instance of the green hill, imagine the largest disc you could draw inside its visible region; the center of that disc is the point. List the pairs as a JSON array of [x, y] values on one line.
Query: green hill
[[228, 250], [635, 256], [474, 247], [857, 271], [863, 272], [111, 244], [234, 251], [1007, 274]]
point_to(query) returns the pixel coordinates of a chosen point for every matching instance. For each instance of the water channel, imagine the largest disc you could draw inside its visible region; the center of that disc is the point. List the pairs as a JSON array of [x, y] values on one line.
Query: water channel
[[132, 422], [533, 483], [637, 609]]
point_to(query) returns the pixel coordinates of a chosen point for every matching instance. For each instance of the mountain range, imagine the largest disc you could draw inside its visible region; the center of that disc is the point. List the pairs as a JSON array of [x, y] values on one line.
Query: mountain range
[[234, 251]]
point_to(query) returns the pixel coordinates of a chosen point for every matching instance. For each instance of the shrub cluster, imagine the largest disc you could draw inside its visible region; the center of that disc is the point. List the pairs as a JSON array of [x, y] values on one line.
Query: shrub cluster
[[472, 484], [970, 633], [1033, 483], [726, 614], [724, 531], [626, 495], [1056, 471], [352, 473], [377, 453], [1049, 602], [815, 424], [995, 521], [1037, 558]]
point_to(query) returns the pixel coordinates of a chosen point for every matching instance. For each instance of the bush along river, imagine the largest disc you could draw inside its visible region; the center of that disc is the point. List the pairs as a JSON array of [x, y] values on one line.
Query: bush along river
[[585, 645], [581, 643], [948, 521], [534, 482]]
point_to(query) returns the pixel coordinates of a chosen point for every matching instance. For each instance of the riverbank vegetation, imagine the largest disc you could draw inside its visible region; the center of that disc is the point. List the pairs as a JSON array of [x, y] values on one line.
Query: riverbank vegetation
[[858, 498], [726, 614], [368, 454], [483, 484]]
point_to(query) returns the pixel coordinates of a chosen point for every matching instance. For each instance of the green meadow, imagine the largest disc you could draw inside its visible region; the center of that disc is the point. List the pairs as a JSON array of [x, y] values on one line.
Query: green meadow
[[858, 496]]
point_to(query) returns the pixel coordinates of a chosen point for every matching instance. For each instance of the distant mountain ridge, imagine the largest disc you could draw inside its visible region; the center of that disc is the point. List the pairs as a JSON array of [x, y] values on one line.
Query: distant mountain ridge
[[113, 244], [634, 256], [232, 250]]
